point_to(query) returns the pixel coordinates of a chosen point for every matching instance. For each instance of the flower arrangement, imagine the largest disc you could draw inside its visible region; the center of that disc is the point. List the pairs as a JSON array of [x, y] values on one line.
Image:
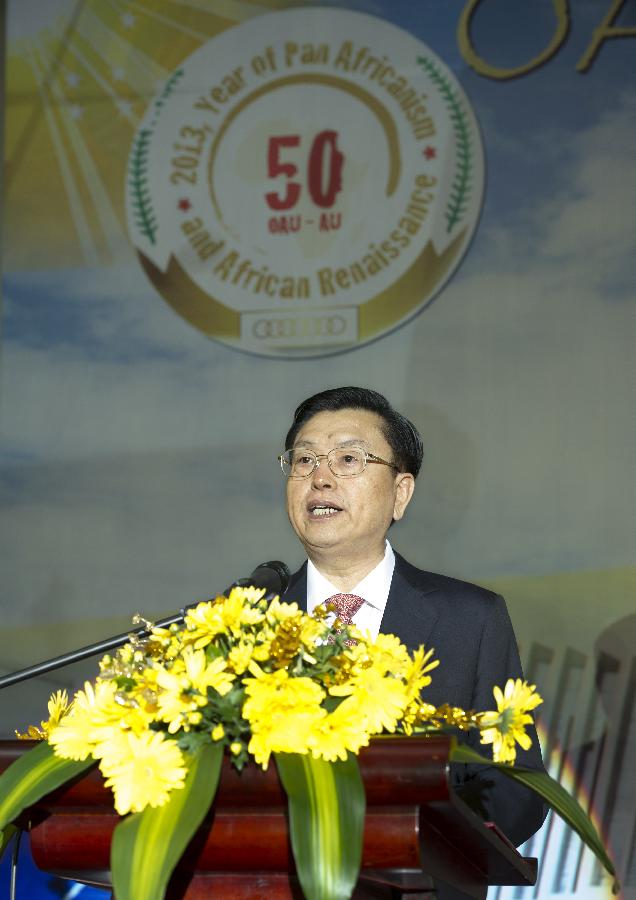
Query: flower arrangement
[[254, 679]]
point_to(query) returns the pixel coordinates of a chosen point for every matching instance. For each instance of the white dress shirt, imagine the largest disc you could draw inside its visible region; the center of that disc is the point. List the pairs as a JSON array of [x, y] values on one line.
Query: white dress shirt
[[374, 589]]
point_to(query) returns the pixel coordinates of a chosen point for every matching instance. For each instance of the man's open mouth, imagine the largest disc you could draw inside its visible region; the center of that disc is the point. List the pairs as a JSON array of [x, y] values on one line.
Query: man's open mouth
[[323, 510]]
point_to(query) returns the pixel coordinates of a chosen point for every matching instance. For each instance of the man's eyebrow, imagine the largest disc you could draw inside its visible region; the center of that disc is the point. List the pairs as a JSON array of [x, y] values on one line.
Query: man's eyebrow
[[348, 442]]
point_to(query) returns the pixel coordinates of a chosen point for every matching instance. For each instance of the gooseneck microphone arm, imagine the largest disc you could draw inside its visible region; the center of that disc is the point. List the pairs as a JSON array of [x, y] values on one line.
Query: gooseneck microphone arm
[[273, 576]]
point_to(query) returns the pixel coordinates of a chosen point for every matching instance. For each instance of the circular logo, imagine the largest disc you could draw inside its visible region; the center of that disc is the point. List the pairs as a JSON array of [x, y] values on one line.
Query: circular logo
[[305, 182]]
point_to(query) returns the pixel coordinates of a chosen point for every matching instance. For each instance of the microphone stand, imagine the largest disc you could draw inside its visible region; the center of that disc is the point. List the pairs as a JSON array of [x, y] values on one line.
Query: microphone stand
[[65, 659], [273, 576]]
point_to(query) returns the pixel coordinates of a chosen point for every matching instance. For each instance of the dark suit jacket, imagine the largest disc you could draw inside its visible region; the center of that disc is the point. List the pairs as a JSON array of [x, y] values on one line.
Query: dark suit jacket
[[471, 632]]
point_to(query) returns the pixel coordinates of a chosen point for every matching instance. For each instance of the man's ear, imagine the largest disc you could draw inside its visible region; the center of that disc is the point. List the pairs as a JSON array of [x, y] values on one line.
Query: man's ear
[[404, 487]]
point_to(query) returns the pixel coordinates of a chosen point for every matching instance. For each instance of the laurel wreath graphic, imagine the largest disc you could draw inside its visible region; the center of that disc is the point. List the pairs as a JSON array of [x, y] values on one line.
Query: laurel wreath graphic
[[460, 188], [141, 200], [145, 218], [169, 87]]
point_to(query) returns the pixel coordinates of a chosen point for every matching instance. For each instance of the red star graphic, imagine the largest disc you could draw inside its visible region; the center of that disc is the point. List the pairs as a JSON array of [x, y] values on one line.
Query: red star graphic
[[429, 152], [184, 204]]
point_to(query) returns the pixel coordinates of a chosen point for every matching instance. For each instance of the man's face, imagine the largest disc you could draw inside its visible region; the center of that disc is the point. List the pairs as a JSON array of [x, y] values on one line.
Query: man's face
[[346, 518]]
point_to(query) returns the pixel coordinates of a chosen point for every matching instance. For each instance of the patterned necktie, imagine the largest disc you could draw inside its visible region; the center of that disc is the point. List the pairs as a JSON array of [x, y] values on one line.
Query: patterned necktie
[[346, 606]]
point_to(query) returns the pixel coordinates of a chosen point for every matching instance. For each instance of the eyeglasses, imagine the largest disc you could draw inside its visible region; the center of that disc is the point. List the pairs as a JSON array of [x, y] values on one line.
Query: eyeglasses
[[343, 461]]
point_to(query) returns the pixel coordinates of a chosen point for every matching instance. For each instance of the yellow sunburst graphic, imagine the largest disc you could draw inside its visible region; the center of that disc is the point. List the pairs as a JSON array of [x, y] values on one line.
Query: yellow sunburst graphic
[[80, 74]]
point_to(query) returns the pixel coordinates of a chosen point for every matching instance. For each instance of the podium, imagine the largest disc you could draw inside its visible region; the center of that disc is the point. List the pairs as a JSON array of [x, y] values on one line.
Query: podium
[[416, 831]]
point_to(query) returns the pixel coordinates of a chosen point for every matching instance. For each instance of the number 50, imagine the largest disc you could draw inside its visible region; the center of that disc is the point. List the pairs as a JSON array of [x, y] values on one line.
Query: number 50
[[323, 195]]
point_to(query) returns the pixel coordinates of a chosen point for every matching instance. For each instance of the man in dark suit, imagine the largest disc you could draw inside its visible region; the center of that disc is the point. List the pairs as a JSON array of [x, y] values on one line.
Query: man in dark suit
[[351, 462]]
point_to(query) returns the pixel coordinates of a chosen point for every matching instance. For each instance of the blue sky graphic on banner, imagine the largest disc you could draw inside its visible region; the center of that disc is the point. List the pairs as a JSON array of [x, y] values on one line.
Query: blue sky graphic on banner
[[141, 414]]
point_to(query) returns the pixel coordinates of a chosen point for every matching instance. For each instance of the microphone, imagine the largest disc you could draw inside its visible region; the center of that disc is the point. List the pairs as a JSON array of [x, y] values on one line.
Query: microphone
[[273, 576]]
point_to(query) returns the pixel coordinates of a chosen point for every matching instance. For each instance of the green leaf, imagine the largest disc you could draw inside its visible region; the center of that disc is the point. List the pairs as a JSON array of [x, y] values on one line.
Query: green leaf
[[147, 846], [553, 793], [32, 776], [6, 835], [326, 822]]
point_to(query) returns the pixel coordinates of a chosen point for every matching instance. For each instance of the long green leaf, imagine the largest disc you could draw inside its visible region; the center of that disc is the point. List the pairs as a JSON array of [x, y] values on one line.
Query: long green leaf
[[6, 836], [32, 776], [326, 822], [147, 846], [552, 792]]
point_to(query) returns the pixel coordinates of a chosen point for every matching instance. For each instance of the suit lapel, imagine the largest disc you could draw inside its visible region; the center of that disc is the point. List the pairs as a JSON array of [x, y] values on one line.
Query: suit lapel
[[413, 605], [297, 589]]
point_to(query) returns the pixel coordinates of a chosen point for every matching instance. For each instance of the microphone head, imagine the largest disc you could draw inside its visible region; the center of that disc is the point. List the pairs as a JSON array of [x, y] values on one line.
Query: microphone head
[[273, 576]]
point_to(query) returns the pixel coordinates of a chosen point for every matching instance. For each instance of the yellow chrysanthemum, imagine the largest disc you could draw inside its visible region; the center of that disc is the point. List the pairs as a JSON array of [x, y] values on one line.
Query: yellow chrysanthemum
[[239, 657], [283, 733], [310, 632], [281, 712], [58, 706], [277, 612], [203, 675], [380, 700], [507, 726], [182, 689], [344, 730], [388, 654], [177, 705], [417, 670], [223, 615], [261, 651], [142, 770], [78, 732]]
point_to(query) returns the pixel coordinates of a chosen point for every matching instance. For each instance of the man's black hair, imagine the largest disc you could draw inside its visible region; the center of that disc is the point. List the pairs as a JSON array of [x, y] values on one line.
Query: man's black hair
[[401, 435]]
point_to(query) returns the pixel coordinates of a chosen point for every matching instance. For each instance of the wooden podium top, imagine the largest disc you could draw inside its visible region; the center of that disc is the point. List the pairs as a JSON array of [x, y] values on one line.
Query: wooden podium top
[[416, 830]]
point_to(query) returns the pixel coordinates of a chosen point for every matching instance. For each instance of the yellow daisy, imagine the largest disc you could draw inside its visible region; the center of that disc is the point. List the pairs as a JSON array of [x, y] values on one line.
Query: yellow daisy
[[340, 732], [142, 770], [281, 712], [239, 657], [223, 615], [389, 654], [507, 726], [380, 700], [76, 735], [416, 674]]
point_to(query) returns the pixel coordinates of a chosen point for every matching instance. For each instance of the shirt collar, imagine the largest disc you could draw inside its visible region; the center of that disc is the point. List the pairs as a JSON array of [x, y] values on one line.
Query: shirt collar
[[374, 587]]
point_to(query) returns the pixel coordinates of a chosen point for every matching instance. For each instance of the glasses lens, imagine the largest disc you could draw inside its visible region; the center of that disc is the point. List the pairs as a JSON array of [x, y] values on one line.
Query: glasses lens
[[298, 463], [347, 461]]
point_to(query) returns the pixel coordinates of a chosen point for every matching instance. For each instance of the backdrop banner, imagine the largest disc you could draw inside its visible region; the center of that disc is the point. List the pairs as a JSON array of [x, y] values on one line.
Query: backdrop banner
[[214, 209]]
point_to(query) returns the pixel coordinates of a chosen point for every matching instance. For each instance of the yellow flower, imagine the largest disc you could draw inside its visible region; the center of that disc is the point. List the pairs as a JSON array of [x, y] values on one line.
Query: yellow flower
[[379, 700], [333, 736], [58, 707], [78, 732], [261, 651], [223, 615], [281, 712], [416, 674], [218, 732], [277, 612], [177, 705], [388, 654], [310, 632], [239, 656], [370, 687], [182, 690], [142, 770], [507, 725], [203, 675]]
